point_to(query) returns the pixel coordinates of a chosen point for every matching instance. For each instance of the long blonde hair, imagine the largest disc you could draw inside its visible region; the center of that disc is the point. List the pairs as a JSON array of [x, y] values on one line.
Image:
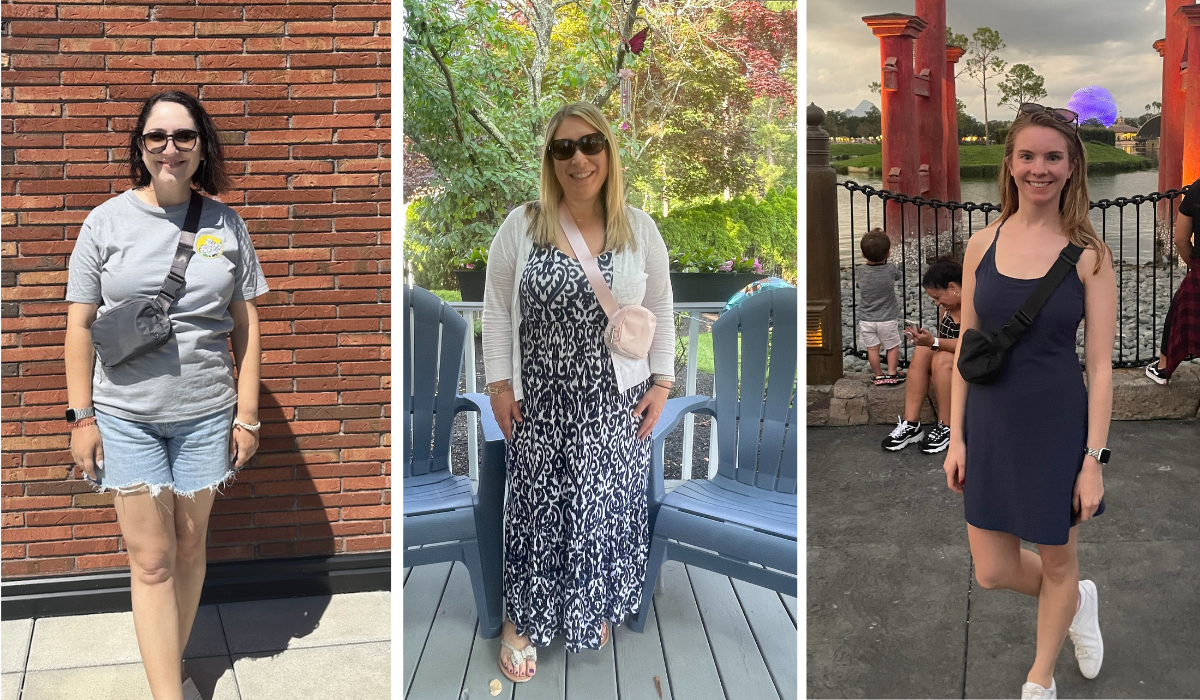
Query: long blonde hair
[[543, 214], [1073, 203]]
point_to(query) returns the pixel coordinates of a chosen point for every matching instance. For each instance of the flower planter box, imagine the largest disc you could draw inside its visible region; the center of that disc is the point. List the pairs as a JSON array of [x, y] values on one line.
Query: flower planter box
[[709, 286], [470, 284]]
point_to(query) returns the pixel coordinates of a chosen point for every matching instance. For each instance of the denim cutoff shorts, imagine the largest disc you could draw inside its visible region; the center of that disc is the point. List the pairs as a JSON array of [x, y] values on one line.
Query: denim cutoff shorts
[[184, 456]]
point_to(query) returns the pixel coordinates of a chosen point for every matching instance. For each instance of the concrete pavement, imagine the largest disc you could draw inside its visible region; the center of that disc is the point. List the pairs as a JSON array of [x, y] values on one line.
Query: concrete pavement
[[894, 612], [317, 647]]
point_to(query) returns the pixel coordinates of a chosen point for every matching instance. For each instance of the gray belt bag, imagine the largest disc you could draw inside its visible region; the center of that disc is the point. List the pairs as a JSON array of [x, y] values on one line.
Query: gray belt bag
[[137, 326]]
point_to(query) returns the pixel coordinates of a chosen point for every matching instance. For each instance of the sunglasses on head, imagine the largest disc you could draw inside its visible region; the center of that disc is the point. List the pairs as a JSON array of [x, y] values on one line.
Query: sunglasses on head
[[156, 141], [590, 144], [1065, 116]]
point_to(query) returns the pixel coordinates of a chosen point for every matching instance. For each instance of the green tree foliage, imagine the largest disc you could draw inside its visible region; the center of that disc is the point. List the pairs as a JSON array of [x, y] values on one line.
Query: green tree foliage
[[709, 113], [983, 63], [1021, 84]]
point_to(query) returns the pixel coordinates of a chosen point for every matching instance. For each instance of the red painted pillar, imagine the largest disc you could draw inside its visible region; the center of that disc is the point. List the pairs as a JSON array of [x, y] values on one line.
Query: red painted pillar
[[1170, 154], [950, 110], [931, 62], [1161, 47], [901, 154], [1191, 93]]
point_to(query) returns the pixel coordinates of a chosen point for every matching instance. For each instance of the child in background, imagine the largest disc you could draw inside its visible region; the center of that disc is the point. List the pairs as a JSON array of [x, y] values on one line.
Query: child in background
[[878, 312]]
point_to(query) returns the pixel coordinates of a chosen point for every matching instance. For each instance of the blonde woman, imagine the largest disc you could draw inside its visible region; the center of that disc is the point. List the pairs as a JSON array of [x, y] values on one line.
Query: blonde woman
[[577, 419], [1027, 450]]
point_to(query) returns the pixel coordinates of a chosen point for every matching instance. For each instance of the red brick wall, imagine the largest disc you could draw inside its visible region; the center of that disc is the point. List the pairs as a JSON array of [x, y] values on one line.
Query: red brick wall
[[301, 95]]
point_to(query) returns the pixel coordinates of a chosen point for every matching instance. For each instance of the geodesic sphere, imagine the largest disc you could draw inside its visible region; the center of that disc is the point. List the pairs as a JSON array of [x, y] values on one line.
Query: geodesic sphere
[[1094, 102]]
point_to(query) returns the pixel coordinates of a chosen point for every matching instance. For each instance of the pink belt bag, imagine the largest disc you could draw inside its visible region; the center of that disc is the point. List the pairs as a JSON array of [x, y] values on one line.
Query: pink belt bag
[[631, 328]]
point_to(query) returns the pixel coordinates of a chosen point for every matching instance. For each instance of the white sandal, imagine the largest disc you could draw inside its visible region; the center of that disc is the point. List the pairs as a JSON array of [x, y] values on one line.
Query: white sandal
[[517, 656]]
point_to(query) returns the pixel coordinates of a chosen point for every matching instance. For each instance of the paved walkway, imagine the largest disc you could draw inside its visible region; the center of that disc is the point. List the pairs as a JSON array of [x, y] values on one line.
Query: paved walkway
[[893, 610], [318, 648]]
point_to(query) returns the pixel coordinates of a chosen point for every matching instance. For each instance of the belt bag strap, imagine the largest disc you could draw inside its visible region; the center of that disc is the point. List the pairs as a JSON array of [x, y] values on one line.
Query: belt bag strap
[[1023, 319], [183, 253], [603, 293]]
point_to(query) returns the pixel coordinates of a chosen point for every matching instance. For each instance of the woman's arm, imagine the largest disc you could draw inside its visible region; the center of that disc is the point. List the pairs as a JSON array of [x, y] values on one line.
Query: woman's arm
[[497, 323], [1183, 237], [956, 455], [1099, 330], [247, 354], [78, 356]]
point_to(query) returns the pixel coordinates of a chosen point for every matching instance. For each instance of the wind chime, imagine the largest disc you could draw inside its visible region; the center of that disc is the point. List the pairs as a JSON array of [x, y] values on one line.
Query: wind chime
[[634, 46]]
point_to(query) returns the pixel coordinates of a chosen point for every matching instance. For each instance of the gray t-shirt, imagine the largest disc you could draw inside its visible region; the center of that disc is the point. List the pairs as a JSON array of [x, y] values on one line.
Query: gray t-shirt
[[124, 250], [877, 292]]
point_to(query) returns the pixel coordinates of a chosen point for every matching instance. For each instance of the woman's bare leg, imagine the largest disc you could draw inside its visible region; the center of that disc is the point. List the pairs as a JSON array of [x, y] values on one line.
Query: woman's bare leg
[[940, 372], [917, 385], [1000, 562], [1057, 604], [148, 526], [191, 539]]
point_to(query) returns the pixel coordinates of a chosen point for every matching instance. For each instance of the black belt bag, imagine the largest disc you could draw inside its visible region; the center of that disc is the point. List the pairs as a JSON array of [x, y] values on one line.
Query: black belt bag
[[137, 326], [981, 353]]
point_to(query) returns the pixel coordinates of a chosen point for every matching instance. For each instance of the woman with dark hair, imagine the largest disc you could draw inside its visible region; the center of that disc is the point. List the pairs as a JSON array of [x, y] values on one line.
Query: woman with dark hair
[[1027, 450], [1181, 327], [165, 429], [577, 418], [932, 362]]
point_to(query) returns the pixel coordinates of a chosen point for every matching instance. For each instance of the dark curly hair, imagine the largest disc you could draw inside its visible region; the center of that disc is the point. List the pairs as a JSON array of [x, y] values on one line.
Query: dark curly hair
[[210, 176], [941, 273]]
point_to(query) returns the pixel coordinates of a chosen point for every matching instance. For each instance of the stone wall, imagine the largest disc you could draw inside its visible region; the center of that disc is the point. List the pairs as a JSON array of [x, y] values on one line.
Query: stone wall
[[853, 400]]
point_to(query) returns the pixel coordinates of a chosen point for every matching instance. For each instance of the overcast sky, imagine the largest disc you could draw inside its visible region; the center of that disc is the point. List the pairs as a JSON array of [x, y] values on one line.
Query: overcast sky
[[1071, 43]]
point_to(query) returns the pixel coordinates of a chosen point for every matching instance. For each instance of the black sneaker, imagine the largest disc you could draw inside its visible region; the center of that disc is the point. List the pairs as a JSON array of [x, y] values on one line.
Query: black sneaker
[[937, 439], [1157, 375], [903, 434]]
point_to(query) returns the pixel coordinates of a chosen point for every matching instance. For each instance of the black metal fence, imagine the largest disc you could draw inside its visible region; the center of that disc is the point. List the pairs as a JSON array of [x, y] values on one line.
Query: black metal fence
[[1138, 229]]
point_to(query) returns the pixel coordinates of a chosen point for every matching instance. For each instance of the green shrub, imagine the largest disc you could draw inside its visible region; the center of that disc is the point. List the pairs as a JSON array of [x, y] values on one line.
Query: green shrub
[[741, 227], [1099, 135]]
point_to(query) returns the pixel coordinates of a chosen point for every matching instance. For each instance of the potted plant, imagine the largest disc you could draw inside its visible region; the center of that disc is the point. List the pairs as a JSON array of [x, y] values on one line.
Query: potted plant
[[704, 275], [471, 274]]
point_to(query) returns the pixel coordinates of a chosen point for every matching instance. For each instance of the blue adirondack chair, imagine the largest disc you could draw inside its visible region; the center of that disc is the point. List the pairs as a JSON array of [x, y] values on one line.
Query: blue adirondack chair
[[443, 519], [741, 522]]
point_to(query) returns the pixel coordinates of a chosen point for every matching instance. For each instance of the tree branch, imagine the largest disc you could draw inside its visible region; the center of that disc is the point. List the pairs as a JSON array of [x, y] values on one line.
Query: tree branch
[[494, 133], [563, 3], [458, 127], [613, 80]]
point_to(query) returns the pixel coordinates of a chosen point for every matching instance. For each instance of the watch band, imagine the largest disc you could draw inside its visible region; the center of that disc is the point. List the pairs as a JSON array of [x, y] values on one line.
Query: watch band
[[74, 415], [1102, 455], [246, 426], [935, 342]]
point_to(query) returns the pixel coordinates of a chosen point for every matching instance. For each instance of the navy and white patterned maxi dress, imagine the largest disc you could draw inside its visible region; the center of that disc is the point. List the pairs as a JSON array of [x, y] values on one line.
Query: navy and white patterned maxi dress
[[575, 526]]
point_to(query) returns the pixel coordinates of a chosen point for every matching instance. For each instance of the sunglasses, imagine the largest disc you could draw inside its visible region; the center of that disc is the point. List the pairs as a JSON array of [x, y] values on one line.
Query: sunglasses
[[156, 141], [590, 144], [1065, 116]]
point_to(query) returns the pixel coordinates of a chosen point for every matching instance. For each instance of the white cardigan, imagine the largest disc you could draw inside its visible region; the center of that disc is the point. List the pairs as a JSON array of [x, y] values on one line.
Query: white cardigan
[[640, 276]]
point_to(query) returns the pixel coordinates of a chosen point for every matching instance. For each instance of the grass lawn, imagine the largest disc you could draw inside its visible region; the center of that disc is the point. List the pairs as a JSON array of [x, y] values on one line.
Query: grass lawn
[[984, 161], [841, 151]]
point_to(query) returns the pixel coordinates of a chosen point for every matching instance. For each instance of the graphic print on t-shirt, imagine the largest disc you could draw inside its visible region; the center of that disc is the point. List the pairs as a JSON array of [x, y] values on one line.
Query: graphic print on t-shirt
[[209, 246]]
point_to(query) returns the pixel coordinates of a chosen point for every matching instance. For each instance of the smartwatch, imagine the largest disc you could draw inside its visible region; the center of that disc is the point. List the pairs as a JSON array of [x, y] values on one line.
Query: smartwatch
[[935, 342], [1102, 455], [74, 415]]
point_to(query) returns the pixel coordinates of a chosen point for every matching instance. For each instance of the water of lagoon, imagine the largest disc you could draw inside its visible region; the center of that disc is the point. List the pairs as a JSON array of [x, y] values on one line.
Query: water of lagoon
[[1120, 226]]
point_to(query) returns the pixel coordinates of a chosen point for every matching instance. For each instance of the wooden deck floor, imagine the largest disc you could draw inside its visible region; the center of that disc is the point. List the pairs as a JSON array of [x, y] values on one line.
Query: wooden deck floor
[[709, 638]]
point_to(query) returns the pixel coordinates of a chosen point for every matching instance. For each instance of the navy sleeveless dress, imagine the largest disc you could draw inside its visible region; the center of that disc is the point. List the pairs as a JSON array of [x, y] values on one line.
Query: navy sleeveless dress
[[1027, 431]]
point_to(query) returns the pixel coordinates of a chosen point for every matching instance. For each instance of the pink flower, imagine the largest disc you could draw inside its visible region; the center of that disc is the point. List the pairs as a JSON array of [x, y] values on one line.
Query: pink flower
[[470, 266], [757, 266], [624, 126], [726, 266]]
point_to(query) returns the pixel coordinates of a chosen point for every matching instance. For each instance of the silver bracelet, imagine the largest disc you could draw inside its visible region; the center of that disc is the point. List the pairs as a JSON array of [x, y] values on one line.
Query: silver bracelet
[[246, 426]]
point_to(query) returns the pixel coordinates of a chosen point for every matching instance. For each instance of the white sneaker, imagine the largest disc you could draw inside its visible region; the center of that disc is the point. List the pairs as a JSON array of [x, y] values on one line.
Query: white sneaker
[[1085, 631], [1033, 691]]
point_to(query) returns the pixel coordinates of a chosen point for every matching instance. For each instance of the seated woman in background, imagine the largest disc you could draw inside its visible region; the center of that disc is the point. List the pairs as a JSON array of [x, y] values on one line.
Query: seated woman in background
[[932, 360]]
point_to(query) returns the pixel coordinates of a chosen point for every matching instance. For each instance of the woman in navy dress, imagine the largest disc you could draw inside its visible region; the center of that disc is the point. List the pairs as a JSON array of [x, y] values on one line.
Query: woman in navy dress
[[1024, 450]]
